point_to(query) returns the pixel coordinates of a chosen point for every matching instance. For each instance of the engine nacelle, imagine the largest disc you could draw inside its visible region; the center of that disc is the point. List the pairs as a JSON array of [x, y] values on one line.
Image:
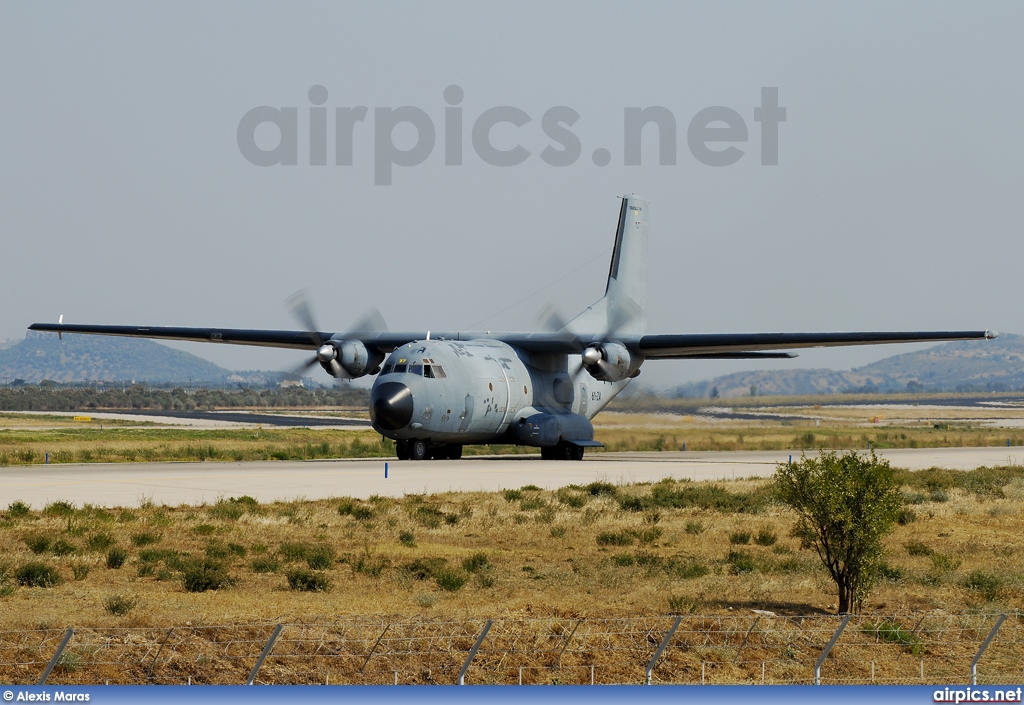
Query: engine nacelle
[[545, 429], [611, 362], [348, 358]]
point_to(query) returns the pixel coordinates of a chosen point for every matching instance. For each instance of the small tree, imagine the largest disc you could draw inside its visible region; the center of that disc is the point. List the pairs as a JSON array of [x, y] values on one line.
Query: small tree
[[846, 506]]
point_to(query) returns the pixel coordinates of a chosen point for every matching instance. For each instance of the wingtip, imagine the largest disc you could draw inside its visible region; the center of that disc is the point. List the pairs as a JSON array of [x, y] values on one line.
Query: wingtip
[[990, 334]]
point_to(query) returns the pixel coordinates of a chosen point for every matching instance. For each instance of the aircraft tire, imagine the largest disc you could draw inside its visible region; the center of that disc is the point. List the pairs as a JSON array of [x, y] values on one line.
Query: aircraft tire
[[417, 450], [576, 452], [454, 452], [548, 453], [402, 450]]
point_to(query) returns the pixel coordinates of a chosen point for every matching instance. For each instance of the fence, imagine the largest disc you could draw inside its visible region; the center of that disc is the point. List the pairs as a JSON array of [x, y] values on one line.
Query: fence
[[934, 648]]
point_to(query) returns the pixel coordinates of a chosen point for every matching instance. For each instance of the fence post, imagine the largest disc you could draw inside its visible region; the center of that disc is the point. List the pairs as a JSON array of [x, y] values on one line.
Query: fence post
[[746, 638], [149, 671], [661, 647], [472, 652], [266, 652], [56, 656], [828, 648], [988, 640], [558, 661], [376, 644]]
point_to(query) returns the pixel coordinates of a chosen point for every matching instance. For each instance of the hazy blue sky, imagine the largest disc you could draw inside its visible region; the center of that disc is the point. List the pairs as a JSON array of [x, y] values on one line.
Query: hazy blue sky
[[896, 202]]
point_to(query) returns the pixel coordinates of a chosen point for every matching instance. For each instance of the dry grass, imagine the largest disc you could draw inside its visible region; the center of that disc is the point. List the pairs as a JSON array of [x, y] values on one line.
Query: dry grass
[[597, 552], [543, 553]]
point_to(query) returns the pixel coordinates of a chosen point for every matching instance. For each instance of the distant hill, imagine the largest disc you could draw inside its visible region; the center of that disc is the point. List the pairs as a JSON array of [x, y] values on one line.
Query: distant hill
[[81, 358], [991, 366]]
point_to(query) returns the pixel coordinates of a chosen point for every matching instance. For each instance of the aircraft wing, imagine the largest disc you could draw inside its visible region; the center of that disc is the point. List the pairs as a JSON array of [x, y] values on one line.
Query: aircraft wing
[[735, 346], [718, 345]]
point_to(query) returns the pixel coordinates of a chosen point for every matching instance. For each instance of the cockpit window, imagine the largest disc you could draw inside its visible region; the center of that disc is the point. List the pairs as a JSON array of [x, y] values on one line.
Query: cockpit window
[[428, 371], [416, 370], [400, 368], [438, 371], [388, 369]]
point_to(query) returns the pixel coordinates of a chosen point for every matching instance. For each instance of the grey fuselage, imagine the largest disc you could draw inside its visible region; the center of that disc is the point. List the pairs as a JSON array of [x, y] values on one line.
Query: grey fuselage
[[477, 390]]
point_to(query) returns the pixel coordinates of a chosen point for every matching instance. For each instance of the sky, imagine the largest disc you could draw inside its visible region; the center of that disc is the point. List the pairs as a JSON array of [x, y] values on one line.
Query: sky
[[129, 193]]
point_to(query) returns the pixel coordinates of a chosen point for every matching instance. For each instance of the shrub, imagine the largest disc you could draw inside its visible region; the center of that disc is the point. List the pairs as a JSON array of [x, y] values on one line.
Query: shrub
[[449, 579], [265, 565], [308, 581], [407, 538], [737, 538], [765, 537], [476, 562], [530, 488], [99, 542], [598, 488], [512, 495], [986, 584], [63, 547], [204, 529], [696, 527], [216, 549], [37, 543], [615, 538], [647, 536], [116, 558], [369, 564], [682, 604], [740, 562], [895, 634], [687, 569], [353, 508], [423, 568], [36, 574], [623, 560], [916, 548], [120, 604], [145, 538], [18, 510], [906, 516], [292, 551], [571, 499], [60, 508], [227, 510], [208, 574], [80, 570], [320, 556]]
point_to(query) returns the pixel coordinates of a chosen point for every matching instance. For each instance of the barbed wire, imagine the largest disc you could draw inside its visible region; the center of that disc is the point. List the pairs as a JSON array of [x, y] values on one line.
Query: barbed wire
[[933, 647]]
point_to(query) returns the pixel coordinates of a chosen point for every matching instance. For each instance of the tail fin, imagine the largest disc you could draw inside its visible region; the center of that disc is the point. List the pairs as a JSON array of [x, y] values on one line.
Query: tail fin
[[623, 310]]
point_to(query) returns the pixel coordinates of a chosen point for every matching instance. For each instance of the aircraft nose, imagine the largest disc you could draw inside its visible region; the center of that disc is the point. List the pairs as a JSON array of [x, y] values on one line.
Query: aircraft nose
[[391, 406]]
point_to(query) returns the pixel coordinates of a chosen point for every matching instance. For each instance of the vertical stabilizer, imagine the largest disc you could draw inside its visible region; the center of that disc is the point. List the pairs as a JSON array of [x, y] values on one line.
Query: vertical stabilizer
[[623, 310]]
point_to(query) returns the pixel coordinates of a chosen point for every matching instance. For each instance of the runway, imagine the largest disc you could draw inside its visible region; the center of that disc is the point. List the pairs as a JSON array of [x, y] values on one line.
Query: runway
[[130, 484]]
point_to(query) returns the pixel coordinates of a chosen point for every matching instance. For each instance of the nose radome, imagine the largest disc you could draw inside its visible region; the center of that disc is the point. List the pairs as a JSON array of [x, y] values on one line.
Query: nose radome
[[391, 406]]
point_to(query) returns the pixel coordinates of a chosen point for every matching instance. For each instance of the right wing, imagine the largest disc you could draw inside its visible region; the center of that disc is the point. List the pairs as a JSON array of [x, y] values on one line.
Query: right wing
[[732, 345]]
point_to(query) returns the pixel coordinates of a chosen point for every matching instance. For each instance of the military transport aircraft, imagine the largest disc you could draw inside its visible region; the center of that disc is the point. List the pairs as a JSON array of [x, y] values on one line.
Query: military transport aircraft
[[437, 391]]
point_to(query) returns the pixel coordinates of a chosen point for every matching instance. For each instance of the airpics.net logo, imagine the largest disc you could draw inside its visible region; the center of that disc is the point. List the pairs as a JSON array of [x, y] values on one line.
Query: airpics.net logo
[[714, 135]]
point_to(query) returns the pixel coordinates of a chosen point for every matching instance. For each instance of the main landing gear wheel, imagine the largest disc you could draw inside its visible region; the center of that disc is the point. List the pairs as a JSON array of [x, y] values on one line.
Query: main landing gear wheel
[[562, 451], [454, 452], [402, 450], [417, 450]]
